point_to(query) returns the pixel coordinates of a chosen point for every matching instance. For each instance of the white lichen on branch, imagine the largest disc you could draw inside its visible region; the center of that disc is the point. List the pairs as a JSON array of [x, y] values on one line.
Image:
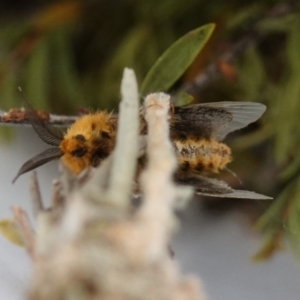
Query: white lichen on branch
[[94, 243]]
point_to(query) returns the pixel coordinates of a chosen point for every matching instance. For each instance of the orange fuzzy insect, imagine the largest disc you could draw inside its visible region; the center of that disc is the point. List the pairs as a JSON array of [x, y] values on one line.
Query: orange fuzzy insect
[[88, 141], [196, 132]]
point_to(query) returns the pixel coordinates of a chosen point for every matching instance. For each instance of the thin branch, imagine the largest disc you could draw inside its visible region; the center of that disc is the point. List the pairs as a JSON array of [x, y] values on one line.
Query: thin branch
[[56, 120], [213, 72]]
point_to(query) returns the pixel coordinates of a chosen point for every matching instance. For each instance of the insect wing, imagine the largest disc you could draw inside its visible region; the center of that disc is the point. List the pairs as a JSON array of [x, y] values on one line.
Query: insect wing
[[214, 119], [38, 160], [217, 188], [239, 194]]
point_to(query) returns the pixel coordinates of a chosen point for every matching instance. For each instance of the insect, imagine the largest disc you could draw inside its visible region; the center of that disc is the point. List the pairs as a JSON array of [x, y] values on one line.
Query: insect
[[196, 132]]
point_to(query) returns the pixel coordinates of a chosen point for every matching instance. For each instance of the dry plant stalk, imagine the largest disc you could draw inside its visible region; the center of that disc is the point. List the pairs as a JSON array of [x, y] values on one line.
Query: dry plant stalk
[[92, 244]]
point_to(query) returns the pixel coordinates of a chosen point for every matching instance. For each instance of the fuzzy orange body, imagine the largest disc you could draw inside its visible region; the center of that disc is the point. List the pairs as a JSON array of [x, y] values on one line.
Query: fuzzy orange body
[[202, 155], [89, 140], [92, 138]]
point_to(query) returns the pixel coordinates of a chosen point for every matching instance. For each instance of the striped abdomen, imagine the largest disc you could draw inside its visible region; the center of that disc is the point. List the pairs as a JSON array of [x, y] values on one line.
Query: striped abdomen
[[203, 155]]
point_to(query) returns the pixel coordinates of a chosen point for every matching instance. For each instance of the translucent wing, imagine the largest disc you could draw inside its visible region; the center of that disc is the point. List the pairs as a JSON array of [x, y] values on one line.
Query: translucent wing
[[38, 160], [214, 119], [216, 188]]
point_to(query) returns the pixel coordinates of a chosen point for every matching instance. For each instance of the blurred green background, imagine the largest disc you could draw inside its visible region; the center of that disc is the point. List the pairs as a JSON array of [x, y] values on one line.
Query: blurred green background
[[71, 54]]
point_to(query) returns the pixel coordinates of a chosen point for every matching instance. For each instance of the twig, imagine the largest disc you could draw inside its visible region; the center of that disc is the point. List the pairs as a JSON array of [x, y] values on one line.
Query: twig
[[62, 120], [56, 120], [212, 72]]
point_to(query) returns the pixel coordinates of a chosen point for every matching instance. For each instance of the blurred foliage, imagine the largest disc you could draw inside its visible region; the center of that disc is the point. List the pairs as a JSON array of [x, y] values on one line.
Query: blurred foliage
[[9, 230], [67, 54]]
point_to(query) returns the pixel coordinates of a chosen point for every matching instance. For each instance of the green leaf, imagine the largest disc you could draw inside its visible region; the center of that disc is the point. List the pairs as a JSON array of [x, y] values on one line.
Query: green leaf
[[65, 71], [273, 215], [252, 75], [8, 92], [292, 47], [292, 225], [243, 15], [183, 98], [138, 42], [36, 79], [11, 34], [281, 24], [175, 60], [291, 169], [287, 104], [10, 232], [272, 227], [272, 243], [280, 220]]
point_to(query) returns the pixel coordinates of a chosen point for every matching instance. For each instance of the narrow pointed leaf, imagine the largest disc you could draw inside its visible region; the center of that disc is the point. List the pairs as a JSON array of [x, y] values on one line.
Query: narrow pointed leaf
[[175, 60]]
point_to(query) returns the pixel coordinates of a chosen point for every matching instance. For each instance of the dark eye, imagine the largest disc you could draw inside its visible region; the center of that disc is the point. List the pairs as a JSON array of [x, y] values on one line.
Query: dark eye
[[79, 152], [80, 137], [105, 135]]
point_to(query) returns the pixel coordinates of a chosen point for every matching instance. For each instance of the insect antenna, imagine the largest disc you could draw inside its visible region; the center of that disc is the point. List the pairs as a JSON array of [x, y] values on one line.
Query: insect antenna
[[38, 160], [47, 133]]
